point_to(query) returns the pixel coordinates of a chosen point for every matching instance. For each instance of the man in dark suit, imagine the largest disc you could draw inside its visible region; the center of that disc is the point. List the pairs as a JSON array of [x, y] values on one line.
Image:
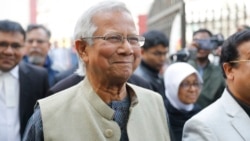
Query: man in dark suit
[[21, 84], [153, 59]]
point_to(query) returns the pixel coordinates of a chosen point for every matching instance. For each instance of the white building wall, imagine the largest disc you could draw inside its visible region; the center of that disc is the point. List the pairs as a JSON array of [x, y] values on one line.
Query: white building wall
[[16, 10]]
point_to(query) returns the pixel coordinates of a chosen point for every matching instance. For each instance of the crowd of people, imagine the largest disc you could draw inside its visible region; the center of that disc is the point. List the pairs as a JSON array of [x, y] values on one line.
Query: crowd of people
[[120, 87]]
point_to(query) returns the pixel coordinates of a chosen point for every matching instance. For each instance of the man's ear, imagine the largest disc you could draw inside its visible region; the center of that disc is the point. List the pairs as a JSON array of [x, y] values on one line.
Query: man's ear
[[80, 46], [229, 71]]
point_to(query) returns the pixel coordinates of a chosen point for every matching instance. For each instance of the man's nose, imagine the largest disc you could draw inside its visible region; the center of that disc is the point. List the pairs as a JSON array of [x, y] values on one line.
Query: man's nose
[[126, 47], [9, 49], [34, 43]]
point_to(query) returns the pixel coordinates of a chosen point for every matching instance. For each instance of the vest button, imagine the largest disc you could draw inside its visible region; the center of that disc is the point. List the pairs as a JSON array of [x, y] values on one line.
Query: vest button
[[108, 133]]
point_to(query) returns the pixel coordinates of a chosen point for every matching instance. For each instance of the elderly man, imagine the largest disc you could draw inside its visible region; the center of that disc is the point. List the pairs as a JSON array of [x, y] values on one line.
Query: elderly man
[[227, 119], [79, 74], [21, 84], [103, 106]]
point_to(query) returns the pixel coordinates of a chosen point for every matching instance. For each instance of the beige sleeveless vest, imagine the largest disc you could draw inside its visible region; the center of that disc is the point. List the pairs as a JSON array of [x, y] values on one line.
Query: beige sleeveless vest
[[78, 114]]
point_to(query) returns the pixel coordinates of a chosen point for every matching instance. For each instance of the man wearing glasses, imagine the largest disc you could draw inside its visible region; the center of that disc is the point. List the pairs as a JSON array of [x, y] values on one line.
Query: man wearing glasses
[[154, 55], [103, 107], [227, 119], [21, 84]]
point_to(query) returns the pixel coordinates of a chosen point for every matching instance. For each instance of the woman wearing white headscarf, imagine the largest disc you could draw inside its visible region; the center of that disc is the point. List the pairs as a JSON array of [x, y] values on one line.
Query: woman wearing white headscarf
[[182, 88]]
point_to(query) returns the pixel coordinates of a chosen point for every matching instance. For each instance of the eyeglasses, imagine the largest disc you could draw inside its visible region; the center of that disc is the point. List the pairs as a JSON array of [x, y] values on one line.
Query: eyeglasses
[[187, 85], [14, 46], [134, 40], [238, 61]]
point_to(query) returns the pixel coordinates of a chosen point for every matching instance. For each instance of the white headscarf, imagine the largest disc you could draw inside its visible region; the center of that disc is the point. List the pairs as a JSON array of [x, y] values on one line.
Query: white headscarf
[[173, 77]]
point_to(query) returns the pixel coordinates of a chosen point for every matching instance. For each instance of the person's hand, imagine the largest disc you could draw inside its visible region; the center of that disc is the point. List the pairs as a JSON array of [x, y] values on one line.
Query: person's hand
[[193, 46]]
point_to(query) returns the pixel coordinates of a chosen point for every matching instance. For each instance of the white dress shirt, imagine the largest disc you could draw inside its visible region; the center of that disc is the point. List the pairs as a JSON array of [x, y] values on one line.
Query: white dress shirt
[[9, 106]]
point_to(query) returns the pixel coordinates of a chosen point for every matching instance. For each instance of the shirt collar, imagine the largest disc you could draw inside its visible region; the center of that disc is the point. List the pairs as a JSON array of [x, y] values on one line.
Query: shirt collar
[[132, 95], [245, 107], [13, 72]]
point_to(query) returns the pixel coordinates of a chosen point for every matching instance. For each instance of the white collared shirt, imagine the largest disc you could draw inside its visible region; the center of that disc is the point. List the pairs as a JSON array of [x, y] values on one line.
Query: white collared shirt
[[9, 107]]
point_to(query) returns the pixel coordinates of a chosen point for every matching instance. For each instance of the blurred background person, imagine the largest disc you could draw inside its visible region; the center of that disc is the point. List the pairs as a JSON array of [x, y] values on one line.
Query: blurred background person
[[64, 58], [38, 45], [213, 82], [73, 63], [183, 85], [21, 84], [60, 56], [154, 55]]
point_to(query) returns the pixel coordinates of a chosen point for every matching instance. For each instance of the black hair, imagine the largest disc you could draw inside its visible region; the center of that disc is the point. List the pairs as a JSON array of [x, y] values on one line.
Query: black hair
[[203, 30], [153, 38], [11, 26], [37, 26], [230, 46]]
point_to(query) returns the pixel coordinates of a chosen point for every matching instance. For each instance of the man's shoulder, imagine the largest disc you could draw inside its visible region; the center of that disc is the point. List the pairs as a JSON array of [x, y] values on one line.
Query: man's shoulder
[[215, 71], [214, 122], [142, 69], [145, 73], [29, 68], [145, 94], [65, 83], [211, 113], [208, 66], [59, 99], [140, 89], [214, 67], [191, 62], [139, 71], [139, 81]]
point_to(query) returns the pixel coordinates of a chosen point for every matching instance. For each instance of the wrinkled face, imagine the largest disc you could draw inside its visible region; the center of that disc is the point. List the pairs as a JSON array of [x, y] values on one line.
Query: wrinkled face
[[189, 89], [112, 61], [38, 45], [238, 76], [202, 53], [11, 50], [155, 56]]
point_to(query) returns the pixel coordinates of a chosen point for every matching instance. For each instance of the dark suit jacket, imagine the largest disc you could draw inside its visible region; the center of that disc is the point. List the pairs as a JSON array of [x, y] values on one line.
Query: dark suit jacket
[[61, 75], [33, 86], [75, 78]]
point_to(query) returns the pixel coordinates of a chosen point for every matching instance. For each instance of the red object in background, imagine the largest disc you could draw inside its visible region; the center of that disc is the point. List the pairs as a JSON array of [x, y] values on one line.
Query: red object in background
[[33, 11], [142, 23]]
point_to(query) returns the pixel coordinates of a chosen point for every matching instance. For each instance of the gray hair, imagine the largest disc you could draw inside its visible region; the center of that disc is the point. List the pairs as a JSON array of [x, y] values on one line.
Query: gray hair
[[85, 26]]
